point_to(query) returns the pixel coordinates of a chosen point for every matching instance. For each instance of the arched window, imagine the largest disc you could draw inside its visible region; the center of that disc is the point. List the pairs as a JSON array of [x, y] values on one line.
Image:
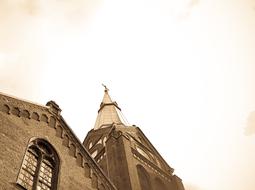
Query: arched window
[[159, 184], [104, 140], [90, 145], [39, 170], [144, 178]]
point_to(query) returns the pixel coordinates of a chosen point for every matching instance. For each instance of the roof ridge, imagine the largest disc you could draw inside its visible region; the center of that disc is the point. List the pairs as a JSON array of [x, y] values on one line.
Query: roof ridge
[[21, 99]]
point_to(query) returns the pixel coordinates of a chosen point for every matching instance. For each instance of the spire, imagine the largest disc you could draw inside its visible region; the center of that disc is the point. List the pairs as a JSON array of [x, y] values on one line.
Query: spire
[[109, 112], [106, 98]]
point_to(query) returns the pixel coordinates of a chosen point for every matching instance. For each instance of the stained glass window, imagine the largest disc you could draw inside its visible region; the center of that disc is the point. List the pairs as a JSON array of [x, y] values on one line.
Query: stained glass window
[[45, 176], [39, 167], [27, 173]]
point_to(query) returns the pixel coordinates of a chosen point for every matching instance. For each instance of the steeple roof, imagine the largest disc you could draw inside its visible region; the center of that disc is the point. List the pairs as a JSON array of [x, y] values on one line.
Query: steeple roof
[[109, 113]]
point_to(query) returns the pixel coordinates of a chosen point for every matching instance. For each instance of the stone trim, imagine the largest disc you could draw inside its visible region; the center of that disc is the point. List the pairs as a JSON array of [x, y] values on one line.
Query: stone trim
[[168, 168], [17, 107], [152, 166]]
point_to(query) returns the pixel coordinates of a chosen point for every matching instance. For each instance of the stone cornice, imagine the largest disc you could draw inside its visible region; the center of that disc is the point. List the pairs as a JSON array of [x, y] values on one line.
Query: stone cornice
[[90, 160], [153, 167], [155, 150], [14, 106]]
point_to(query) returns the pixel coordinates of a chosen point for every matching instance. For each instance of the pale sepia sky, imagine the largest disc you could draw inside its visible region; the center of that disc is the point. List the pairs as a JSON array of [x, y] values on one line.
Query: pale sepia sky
[[181, 70]]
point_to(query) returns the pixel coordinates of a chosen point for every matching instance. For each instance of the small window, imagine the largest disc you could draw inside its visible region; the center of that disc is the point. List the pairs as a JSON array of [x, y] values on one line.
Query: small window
[[100, 141], [143, 153], [104, 140], [94, 154], [40, 167], [90, 145]]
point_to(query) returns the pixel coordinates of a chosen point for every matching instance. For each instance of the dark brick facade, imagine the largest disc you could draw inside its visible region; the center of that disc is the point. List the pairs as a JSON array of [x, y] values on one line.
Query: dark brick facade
[[113, 157], [130, 160], [125, 154], [20, 122]]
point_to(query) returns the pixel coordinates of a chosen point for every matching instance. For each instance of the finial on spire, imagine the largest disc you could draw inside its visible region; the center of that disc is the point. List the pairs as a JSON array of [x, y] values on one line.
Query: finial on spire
[[105, 88]]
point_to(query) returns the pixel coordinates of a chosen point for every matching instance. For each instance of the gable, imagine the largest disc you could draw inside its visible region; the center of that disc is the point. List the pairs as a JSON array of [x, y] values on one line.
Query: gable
[[142, 146], [22, 120]]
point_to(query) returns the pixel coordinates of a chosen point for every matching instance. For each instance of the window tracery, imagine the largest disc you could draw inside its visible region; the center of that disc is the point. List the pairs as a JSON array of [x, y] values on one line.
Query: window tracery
[[40, 167]]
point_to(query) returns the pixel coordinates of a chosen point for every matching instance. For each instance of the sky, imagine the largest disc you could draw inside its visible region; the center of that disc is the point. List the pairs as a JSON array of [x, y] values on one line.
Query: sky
[[181, 70]]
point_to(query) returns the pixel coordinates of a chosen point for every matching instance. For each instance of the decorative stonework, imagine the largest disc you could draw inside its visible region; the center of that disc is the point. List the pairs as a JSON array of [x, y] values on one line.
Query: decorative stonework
[[153, 167], [22, 104], [5, 108], [51, 117]]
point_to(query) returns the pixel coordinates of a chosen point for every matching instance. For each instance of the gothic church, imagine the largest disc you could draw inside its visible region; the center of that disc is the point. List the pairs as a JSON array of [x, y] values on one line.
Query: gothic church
[[39, 151]]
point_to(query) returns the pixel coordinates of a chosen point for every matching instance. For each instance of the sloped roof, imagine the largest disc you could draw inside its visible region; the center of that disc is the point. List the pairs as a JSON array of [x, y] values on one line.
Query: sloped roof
[[13, 103], [109, 113]]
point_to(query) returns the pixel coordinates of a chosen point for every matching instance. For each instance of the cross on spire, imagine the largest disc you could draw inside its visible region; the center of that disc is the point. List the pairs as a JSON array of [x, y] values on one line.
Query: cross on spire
[[105, 88]]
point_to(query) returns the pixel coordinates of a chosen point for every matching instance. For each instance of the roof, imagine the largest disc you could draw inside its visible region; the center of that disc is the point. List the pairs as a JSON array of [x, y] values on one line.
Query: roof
[[24, 105], [109, 113]]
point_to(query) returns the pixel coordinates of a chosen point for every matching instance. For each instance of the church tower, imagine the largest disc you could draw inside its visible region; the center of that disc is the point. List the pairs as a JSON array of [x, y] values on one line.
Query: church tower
[[125, 154]]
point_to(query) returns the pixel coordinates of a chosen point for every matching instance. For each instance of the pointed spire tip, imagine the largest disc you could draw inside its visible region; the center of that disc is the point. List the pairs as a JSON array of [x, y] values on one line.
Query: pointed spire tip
[[105, 88]]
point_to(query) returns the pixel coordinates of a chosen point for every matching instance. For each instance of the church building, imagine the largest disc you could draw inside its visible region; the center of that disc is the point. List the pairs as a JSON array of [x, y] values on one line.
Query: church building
[[39, 151]]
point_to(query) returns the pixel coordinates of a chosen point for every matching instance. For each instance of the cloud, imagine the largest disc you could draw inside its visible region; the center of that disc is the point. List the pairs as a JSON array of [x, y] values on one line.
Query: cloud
[[187, 9], [24, 22], [250, 127], [27, 31], [192, 187], [193, 3]]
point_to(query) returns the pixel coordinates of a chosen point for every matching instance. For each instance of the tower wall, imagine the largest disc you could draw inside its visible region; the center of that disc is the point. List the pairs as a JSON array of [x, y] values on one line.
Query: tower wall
[[117, 163], [127, 166], [127, 156]]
